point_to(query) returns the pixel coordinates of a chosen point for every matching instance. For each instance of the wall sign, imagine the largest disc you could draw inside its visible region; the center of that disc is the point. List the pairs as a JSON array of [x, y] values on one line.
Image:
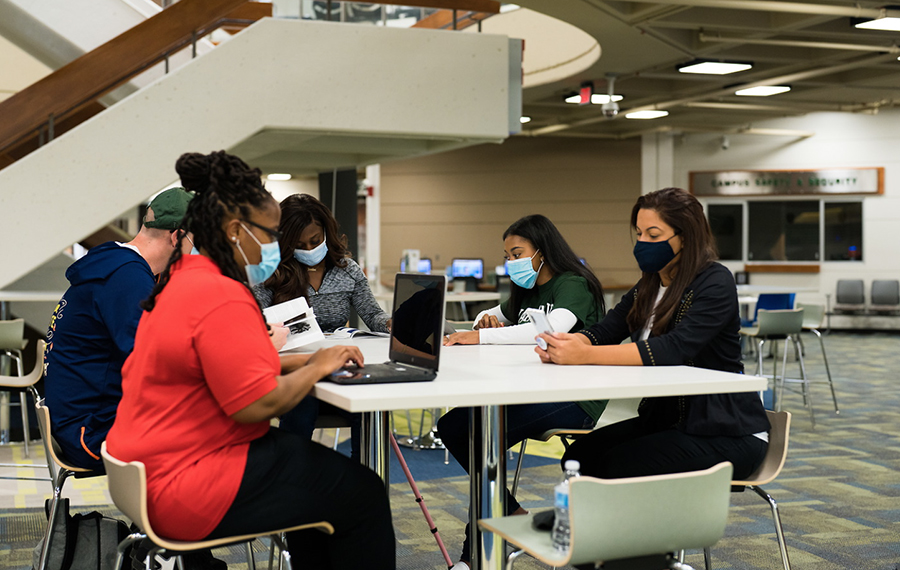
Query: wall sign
[[827, 181]]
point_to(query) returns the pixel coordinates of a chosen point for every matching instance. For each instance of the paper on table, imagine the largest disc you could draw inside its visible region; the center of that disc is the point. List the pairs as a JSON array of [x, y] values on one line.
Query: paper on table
[[300, 320]]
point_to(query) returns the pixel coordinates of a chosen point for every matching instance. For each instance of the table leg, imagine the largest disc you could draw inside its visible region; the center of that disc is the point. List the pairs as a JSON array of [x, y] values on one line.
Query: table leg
[[487, 483], [375, 444], [5, 365]]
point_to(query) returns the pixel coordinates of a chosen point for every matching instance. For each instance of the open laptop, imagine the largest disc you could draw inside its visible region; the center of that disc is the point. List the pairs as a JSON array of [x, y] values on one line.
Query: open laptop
[[417, 332]]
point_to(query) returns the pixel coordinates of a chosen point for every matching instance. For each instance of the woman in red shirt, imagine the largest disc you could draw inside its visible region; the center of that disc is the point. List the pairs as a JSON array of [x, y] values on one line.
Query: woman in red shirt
[[204, 380]]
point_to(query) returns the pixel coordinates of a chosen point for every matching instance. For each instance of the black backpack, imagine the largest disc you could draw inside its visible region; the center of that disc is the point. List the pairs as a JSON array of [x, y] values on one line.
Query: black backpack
[[81, 541]]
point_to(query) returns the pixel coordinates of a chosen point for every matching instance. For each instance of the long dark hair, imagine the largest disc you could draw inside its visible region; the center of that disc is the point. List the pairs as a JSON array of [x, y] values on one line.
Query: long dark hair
[[557, 254], [222, 183], [291, 279], [681, 210]]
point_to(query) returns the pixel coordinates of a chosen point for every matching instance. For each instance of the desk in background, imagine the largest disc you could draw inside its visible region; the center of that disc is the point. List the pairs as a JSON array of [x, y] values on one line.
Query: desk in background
[[488, 378], [385, 299]]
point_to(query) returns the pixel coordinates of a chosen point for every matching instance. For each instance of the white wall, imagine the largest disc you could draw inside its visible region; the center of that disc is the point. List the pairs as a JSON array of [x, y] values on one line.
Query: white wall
[[840, 140]]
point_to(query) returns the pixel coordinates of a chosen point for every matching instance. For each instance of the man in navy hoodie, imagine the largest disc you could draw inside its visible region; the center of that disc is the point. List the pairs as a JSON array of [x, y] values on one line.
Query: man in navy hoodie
[[92, 329]]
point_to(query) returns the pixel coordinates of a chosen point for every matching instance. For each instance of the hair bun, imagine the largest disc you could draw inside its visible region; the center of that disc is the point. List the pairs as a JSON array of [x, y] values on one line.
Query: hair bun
[[194, 170]]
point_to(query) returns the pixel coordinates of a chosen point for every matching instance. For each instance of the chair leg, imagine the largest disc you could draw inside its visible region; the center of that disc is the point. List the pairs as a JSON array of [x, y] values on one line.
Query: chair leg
[[515, 485], [512, 558], [807, 397], [124, 545], [23, 399], [779, 385], [827, 370], [707, 559], [337, 436], [251, 561], [51, 518], [779, 532]]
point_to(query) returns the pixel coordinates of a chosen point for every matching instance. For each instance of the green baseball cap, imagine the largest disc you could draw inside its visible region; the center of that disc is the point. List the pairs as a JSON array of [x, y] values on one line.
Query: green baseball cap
[[169, 208]]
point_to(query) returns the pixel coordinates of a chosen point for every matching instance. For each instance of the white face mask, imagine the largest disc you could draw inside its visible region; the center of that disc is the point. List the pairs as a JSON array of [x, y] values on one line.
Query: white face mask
[[311, 257]]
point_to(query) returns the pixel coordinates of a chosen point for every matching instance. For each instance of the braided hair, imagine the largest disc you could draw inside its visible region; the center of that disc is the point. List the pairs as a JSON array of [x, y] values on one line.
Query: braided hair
[[223, 184]]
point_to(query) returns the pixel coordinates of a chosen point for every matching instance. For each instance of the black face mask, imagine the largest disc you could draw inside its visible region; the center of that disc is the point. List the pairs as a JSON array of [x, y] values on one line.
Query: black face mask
[[652, 256]]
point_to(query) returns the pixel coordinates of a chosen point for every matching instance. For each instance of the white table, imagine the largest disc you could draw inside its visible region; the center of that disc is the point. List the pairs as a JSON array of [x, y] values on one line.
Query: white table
[[487, 378]]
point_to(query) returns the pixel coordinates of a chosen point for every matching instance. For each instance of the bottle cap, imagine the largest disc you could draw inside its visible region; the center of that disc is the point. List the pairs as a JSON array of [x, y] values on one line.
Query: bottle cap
[[572, 465]]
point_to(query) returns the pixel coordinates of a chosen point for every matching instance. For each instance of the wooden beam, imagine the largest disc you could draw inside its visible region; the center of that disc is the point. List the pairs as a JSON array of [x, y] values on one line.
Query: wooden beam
[[246, 14], [105, 68], [781, 268], [489, 6], [443, 20]]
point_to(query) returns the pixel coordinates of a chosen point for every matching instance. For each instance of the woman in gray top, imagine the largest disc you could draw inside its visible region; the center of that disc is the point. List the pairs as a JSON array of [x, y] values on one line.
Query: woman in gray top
[[315, 264]]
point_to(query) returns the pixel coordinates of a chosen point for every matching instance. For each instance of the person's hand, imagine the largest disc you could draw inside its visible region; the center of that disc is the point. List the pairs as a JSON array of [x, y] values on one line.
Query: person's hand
[[389, 323], [278, 333], [564, 348], [488, 322], [327, 360], [464, 337]]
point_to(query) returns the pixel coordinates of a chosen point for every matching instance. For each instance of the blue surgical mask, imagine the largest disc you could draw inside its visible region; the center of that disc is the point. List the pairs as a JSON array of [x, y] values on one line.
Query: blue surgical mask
[[522, 273], [652, 256], [311, 257], [271, 257], [194, 250]]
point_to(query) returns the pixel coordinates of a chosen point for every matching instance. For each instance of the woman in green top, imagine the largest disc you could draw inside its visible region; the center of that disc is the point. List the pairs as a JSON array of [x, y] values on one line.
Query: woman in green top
[[546, 275]]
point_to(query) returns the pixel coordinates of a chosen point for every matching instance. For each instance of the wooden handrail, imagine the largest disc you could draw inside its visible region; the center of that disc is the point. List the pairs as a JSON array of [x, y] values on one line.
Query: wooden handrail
[[443, 20], [98, 72]]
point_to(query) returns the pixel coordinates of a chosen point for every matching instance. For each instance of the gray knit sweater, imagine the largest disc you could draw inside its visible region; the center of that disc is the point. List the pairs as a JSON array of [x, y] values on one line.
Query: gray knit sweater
[[341, 288]]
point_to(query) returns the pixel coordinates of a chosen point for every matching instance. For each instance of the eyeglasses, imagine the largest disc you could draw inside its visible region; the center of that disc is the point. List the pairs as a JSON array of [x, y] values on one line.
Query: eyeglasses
[[274, 233]]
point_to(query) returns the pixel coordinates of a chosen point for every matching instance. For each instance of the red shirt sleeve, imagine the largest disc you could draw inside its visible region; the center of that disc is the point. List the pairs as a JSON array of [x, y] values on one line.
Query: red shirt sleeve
[[238, 359]]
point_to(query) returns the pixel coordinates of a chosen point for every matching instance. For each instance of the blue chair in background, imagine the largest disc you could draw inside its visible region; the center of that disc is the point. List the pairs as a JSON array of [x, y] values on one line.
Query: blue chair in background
[[771, 302]]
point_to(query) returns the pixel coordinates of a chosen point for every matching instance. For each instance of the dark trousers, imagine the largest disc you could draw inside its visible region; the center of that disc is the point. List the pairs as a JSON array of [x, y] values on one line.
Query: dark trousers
[[632, 449], [522, 421], [291, 481], [302, 421]]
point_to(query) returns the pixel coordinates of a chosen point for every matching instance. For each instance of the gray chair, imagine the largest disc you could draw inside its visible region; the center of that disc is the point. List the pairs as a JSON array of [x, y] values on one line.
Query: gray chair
[[885, 298], [629, 521], [774, 326], [21, 382], [850, 297], [773, 462], [128, 489], [813, 317], [12, 343]]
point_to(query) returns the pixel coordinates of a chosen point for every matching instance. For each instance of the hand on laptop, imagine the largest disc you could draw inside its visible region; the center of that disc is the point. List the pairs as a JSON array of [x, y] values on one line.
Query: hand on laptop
[[488, 322], [335, 357], [464, 337]]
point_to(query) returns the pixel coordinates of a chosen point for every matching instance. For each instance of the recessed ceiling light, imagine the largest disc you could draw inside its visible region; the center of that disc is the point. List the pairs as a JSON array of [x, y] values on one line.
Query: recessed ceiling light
[[651, 114], [714, 67], [886, 23], [763, 90], [596, 99], [524, 119], [278, 176]]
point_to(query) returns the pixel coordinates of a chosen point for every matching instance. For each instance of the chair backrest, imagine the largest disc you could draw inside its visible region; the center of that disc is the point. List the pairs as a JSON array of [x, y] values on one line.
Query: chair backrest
[[779, 434], [774, 323], [885, 292], [11, 334], [53, 450], [774, 302], [813, 315], [128, 489], [850, 292], [32, 377], [624, 518]]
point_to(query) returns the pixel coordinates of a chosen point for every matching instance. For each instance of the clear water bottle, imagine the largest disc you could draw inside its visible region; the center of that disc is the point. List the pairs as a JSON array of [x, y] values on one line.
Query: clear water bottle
[[561, 532]]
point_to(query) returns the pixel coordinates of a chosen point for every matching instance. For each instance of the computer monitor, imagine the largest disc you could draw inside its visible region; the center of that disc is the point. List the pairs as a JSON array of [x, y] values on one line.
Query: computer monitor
[[462, 268], [424, 266]]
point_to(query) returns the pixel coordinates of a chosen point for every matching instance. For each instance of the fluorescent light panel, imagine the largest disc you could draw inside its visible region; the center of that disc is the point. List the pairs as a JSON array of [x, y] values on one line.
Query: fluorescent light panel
[[596, 99], [886, 23], [646, 114], [763, 90], [715, 67], [278, 176]]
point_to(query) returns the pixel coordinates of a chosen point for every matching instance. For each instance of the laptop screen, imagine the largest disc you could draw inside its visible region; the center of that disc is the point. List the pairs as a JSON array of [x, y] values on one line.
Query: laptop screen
[[417, 326]]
